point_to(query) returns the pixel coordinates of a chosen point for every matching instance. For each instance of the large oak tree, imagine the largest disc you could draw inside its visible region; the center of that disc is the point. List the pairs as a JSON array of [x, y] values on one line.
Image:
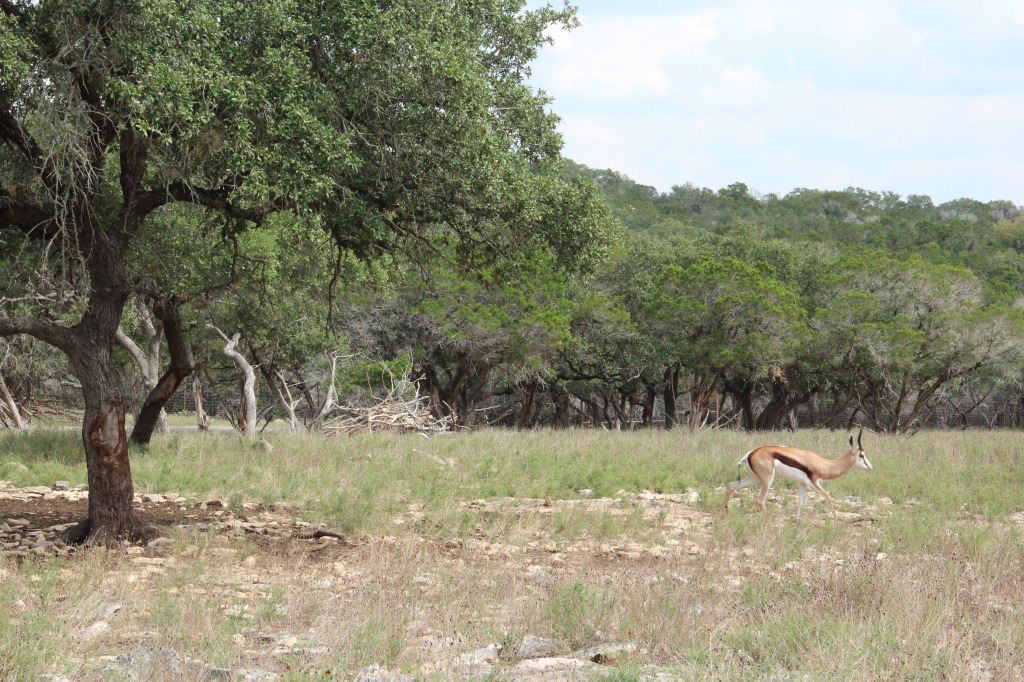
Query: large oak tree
[[378, 122]]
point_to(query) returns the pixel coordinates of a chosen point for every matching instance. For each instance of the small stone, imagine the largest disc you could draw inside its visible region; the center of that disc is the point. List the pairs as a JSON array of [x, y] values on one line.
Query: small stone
[[214, 674], [112, 606], [488, 655], [161, 542], [17, 523], [153, 498], [61, 485], [214, 503], [95, 630], [537, 647], [254, 675], [143, 662], [375, 674]]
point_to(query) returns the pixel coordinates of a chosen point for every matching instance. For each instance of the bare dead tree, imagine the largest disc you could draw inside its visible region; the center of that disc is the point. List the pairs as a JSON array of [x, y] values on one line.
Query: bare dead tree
[[284, 396], [202, 419], [11, 416], [247, 410]]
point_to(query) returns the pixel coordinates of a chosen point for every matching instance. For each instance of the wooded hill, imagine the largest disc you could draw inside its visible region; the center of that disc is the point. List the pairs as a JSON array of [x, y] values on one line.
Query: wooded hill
[[706, 308], [820, 307]]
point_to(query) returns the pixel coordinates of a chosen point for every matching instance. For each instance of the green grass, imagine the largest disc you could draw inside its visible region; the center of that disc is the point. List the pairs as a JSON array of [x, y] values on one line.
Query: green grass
[[360, 482], [926, 586]]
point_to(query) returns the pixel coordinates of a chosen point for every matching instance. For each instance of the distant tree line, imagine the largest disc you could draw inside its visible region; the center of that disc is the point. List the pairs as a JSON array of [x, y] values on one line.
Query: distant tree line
[[710, 309]]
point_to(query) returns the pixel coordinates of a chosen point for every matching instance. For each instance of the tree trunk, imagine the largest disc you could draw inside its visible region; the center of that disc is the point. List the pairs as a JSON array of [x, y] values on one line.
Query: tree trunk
[[247, 381], [771, 416], [670, 393], [284, 395], [112, 517], [202, 419], [529, 391], [9, 408], [148, 364], [152, 413], [647, 416], [434, 391], [742, 392]]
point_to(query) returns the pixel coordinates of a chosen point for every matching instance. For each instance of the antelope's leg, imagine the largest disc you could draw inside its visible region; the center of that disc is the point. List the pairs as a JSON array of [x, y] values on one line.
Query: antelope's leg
[[737, 485], [766, 485], [827, 497]]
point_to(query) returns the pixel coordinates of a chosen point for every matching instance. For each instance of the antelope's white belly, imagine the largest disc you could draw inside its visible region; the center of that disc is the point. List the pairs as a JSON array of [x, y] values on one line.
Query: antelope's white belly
[[791, 473]]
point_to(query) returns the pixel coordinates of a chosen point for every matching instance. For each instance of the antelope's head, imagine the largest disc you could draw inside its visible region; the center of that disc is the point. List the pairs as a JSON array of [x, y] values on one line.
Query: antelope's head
[[860, 459]]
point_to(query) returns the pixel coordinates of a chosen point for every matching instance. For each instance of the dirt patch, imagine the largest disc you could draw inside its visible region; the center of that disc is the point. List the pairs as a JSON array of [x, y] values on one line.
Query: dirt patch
[[44, 512], [256, 589]]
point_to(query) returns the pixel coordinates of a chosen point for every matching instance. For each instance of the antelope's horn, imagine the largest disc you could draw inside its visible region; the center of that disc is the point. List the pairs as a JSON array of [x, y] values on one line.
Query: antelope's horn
[[859, 434]]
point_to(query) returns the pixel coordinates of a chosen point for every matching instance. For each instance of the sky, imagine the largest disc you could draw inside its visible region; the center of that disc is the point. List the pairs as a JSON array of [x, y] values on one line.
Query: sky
[[913, 97]]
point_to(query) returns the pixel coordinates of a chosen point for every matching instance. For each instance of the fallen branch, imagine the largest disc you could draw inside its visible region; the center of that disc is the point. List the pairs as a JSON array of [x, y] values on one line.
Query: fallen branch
[[391, 413]]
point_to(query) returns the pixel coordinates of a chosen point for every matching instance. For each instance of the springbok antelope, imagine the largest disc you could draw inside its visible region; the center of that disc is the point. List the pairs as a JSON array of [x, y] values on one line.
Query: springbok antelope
[[802, 466]]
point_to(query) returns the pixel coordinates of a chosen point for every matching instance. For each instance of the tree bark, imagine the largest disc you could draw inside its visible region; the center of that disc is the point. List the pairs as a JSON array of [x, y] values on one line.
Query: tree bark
[[148, 363], [284, 396], [248, 381], [670, 393], [152, 413], [112, 518], [742, 392], [111, 515], [529, 391], [647, 416], [9, 406], [202, 419]]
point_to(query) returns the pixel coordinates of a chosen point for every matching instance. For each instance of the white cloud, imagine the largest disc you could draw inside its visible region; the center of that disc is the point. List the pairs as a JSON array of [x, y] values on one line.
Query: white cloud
[[619, 56], [915, 97]]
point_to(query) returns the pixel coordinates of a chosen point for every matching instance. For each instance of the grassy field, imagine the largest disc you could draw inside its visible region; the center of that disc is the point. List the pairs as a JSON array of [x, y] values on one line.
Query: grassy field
[[489, 537]]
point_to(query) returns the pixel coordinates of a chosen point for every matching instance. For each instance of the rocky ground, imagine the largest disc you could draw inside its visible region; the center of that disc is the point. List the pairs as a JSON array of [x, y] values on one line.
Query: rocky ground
[[326, 584]]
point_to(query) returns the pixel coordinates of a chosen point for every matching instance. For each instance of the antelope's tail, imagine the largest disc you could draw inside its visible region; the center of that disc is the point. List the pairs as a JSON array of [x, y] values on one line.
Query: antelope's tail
[[739, 465]]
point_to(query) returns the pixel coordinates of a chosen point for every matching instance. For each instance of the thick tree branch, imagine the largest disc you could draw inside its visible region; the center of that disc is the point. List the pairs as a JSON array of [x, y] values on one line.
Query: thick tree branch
[[48, 332], [133, 349], [28, 218], [218, 199], [13, 132], [180, 368]]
